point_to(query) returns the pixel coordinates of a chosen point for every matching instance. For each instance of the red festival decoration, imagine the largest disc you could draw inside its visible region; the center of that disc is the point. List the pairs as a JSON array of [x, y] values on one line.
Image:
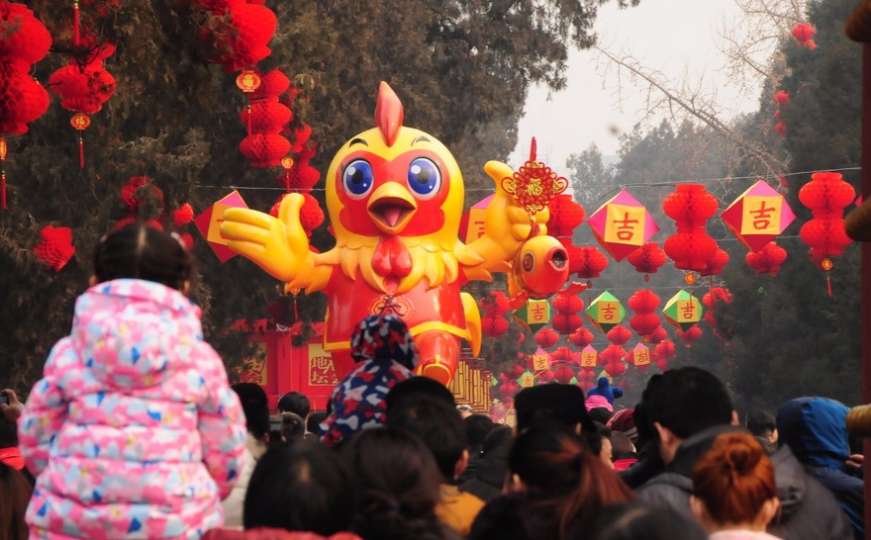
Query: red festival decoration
[[55, 247], [24, 41], [546, 338], [534, 185], [781, 97], [567, 304], [619, 335], [565, 216], [658, 336], [826, 195], [587, 262], [612, 358], [691, 335], [581, 337], [767, 260], [804, 33], [645, 304], [648, 259], [690, 206], [717, 263]]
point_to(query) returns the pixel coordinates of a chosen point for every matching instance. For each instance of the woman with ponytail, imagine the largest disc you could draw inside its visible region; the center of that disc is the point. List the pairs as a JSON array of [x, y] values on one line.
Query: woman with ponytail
[[734, 494], [556, 487], [398, 487]]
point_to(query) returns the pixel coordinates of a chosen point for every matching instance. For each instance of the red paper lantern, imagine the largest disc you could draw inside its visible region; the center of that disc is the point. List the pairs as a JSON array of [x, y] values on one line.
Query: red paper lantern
[[311, 216], [717, 263], [619, 335], [767, 260], [493, 325], [23, 38], [264, 150], [563, 374], [565, 215], [508, 390], [645, 324], [658, 336], [266, 116], [82, 88], [566, 323], [55, 247], [691, 335], [546, 338], [644, 301], [581, 337], [716, 295], [183, 215], [567, 303], [781, 97], [666, 349], [647, 259], [22, 100], [690, 206], [826, 195], [804, 33], [272, 84], [587, 262]]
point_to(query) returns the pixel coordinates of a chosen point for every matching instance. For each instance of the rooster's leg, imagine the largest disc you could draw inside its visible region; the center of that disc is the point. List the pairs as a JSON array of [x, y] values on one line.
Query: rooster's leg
[[439, 353]]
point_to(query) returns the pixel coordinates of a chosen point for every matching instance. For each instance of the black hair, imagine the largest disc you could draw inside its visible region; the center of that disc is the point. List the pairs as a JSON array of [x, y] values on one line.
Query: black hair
[[313, 422], [560, 472], [397, 486], [137, 251], [594, 438], [304, 487], [292, 427], [688, 400], [600, 415], [296, 403], [760, 423], [16, 491], [415, 387], [642, 522], [256, 407], [552, 403], [478, 426], [438, 425]]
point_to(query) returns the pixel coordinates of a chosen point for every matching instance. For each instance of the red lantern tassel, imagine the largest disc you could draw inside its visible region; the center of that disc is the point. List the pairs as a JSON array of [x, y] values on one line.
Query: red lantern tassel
[[3, 190], [76, 23], [829, 284], [81, 152], [249, 119]]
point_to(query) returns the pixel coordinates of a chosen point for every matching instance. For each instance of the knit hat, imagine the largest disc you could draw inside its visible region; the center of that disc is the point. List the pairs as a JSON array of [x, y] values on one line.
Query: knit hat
[[624, 421], [387, 355], [596, 401], [381, 338]]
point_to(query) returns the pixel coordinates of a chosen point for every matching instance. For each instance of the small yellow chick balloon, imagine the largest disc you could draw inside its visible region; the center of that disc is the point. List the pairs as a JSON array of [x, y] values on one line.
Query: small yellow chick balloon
[[394, 197]]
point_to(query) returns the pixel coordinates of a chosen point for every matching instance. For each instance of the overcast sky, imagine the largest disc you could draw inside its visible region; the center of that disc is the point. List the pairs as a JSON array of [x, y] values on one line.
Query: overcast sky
[[680, 38]]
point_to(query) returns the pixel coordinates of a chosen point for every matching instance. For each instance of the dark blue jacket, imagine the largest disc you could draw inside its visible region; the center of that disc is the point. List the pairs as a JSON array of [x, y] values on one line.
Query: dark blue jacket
[[603, 388], [815, 429]]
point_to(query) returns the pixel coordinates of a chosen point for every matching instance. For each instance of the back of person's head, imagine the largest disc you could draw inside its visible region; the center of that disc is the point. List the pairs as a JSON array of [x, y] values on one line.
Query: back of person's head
[[688, 400], [414, 388], [397, 485], [292, 427], [256, 406], [734, 479], [15, 493], [478, 426], [815, 428], [633, 521], [137, 251], [556, 466], [295, 402], [760, 423], [552, 403], [438, 425], [313, 422], [305, 487], [622, 445], [493, 465]]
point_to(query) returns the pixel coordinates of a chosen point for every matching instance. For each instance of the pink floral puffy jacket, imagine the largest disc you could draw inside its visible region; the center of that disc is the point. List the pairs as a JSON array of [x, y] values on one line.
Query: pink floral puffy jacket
[[133, 431]]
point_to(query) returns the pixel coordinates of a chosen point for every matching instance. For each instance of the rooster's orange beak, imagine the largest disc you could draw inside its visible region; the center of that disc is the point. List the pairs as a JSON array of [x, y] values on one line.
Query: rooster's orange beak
[[391, 207]]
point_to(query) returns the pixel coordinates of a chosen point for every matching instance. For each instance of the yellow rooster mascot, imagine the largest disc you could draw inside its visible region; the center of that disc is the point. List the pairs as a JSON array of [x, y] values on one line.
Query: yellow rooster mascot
[[394, 196]]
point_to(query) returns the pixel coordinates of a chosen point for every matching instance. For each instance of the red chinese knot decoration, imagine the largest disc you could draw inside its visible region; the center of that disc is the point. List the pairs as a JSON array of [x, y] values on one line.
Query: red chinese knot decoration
[[534, 184]]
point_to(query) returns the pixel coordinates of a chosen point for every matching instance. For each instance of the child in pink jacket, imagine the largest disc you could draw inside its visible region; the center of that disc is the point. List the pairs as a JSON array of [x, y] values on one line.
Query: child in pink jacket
[[133, 431]]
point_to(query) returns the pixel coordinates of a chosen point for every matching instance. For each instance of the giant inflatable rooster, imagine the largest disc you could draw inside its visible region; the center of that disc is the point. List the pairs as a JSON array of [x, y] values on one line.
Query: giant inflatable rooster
[[395, 199]]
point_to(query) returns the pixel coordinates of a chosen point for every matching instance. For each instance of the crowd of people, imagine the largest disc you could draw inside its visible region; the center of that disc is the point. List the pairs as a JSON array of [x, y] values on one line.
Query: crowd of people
[[135, 432]]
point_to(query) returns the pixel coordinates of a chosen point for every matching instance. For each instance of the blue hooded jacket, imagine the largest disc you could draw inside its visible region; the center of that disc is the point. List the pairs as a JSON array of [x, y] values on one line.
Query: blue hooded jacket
[[815, 429], [604, 389]]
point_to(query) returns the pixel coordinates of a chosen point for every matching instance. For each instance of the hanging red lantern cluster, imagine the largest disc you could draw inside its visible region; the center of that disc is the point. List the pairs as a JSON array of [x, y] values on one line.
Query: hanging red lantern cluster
[[265, 118], [239, 32], [658, 336], [587, 378], [826, 195], [691, 248], [55, 247], [767, 260], [24, 41], [619, 335], [563, 363], [493, 321], [300, 177], [565, 216], [587, 262], [664, 352], [612, 359], [781, 98], [645, 304], [566, 305], [647, 259], [691, 334], [581, 337], [546, 338], [714, 296], [804, 33]]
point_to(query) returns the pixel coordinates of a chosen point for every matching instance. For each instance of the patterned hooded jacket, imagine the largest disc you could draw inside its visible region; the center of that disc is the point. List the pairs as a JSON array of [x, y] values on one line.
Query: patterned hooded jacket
[[133, 431]]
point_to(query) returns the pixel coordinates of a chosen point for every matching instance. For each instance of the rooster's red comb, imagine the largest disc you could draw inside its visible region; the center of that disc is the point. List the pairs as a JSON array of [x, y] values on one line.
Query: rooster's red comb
[[388, 113]]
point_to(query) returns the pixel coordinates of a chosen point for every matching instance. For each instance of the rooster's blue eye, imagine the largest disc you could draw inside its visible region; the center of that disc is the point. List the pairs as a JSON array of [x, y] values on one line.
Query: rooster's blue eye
[[357, 178], [424, 178]]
